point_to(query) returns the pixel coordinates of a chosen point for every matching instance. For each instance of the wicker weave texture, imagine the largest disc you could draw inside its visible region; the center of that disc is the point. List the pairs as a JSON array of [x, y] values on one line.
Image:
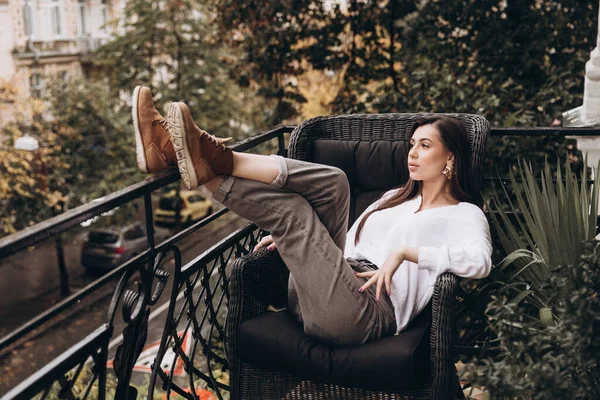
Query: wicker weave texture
[[392, 127], [284, 386], [442, 337], [256, 281]]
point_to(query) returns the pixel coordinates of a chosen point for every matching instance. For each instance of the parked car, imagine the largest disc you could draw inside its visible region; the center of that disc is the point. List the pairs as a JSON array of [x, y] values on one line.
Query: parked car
[[107, 248], [194, 206]]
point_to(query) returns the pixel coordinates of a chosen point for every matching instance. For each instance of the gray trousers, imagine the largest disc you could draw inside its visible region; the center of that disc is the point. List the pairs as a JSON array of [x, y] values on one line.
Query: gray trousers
[[306, 211]]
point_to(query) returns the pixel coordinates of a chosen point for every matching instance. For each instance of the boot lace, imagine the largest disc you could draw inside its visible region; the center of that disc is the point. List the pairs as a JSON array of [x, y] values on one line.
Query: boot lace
[[215, 140], [161, 122]]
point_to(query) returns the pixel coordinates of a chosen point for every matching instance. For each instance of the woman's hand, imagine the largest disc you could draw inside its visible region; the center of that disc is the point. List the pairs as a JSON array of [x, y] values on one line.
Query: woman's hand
[[267, 242], [383, 276]]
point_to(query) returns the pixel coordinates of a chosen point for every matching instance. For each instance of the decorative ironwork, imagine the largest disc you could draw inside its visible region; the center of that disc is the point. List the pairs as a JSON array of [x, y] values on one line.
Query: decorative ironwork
[[204, 286], [88, 44]]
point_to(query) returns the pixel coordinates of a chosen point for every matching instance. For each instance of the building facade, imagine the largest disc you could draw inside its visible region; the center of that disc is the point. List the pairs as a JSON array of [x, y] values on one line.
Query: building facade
[[42, 38]]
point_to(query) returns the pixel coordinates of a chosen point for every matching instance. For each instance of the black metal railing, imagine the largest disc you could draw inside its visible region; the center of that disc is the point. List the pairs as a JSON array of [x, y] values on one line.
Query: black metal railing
[[193, 333], [200, 284]]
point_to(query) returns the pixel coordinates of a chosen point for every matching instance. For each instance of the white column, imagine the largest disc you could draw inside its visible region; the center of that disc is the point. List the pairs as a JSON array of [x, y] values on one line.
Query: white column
[[590, 146], [589, 113], [591, 92]]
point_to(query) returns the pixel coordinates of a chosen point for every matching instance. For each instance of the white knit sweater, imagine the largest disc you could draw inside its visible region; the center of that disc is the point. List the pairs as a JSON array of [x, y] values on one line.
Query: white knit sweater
[[452, 238]]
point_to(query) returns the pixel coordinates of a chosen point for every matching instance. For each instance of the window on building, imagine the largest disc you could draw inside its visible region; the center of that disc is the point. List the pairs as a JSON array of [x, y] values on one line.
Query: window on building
[[56, 17], [36, 84], [28, 17], [103, 15], [82, 27]]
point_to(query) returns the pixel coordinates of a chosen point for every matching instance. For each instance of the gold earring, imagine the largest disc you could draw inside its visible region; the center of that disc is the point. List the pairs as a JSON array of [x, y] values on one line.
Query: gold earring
[[447, 172]]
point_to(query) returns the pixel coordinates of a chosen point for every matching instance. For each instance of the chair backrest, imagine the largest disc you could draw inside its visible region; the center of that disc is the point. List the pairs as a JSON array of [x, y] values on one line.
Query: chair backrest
[[371, 149]]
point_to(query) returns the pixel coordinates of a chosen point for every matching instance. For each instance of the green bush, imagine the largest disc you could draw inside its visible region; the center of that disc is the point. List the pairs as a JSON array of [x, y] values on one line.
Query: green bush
[[559, 361]]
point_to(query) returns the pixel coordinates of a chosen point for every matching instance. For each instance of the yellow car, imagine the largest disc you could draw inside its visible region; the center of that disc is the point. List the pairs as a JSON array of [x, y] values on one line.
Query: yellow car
[[194, 206]]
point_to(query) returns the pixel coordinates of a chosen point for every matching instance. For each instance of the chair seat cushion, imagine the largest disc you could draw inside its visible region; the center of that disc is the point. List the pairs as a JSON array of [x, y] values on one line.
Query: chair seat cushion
[[275, 341]]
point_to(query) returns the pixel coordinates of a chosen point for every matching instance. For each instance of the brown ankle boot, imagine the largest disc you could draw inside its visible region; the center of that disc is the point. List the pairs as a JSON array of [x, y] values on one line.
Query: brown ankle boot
[[153, 146], [200, 155]]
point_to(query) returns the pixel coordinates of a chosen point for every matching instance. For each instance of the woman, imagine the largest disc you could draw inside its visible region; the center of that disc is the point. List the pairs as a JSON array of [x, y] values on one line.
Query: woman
[[397, 247]]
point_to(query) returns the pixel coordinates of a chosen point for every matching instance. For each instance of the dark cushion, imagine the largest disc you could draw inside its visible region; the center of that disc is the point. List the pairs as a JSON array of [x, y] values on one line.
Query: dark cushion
[[275, 341], [387, 158]]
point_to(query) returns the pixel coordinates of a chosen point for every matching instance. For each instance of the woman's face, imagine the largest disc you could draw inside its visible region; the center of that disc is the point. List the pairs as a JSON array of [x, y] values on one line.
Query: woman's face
[[428, 156]]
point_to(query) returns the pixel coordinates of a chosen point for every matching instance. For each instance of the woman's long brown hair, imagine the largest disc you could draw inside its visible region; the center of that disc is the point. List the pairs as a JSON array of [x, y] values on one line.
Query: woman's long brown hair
[[454, 136]]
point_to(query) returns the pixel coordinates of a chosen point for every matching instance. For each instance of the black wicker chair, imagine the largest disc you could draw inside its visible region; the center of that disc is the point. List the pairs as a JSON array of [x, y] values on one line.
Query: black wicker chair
[[371, 150]]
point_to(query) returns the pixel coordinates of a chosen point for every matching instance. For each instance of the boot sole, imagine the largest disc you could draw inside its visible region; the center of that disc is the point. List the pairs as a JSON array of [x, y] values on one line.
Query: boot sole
[[139, 144], [177, 132]]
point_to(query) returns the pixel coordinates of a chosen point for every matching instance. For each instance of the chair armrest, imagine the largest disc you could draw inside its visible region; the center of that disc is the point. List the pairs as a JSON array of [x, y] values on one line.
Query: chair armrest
[[442, 337], [257, 280]]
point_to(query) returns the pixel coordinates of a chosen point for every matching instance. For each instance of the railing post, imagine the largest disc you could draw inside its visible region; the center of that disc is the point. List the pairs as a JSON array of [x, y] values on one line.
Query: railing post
[[149, 238], [101, 364], [149, 220], [136, 311]]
